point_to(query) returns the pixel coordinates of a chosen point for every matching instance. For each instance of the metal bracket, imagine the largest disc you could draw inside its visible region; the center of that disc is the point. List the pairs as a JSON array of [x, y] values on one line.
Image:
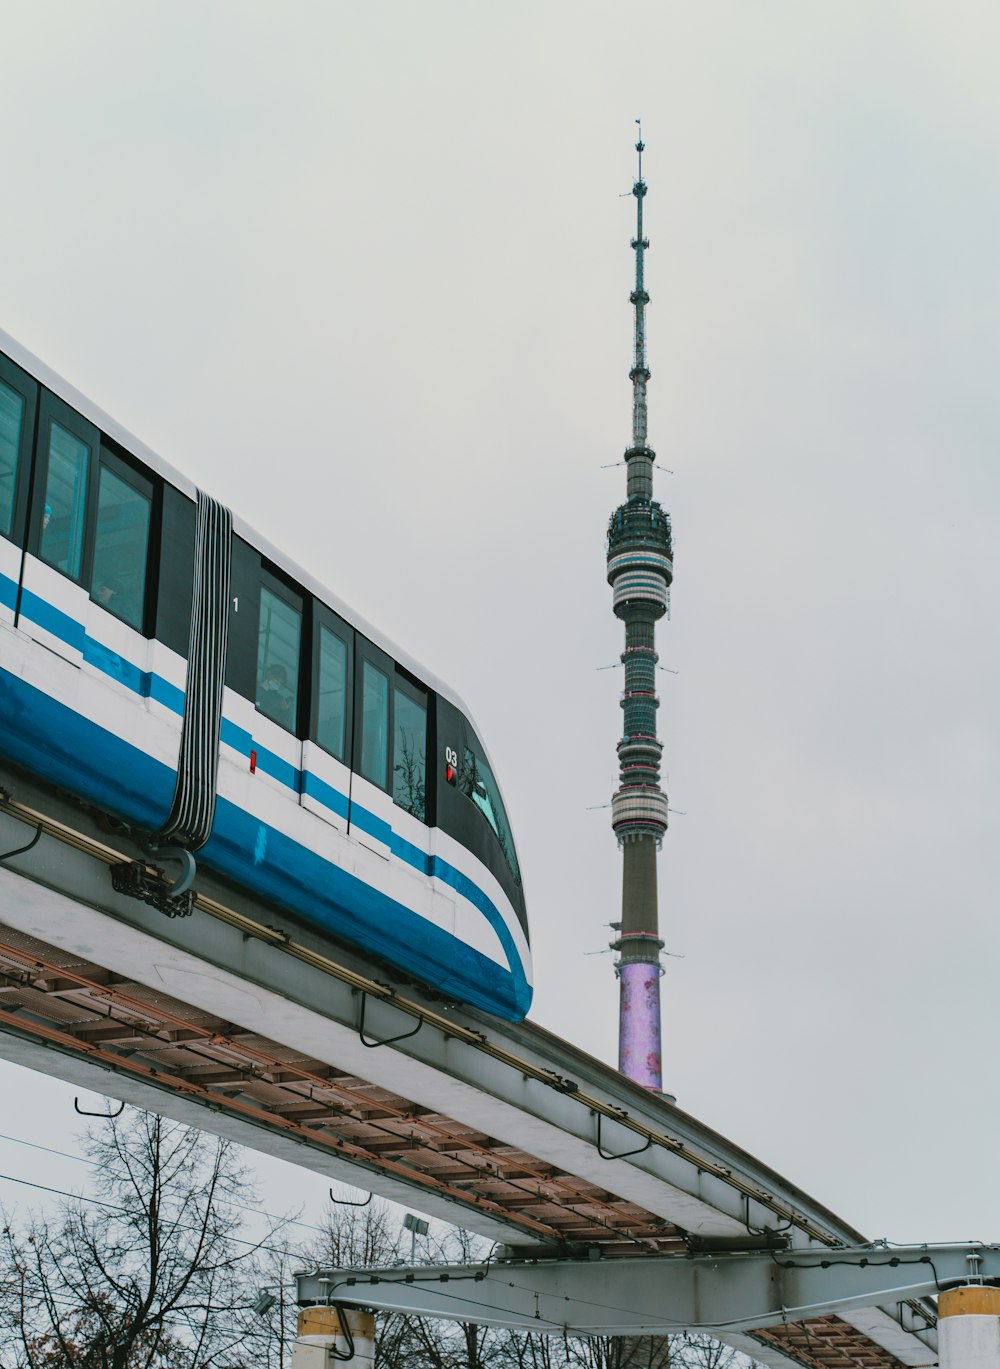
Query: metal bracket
[[84, 1113], [622, 1154], [348, 1202], [389, 1040], [132, 878], [187, 862]]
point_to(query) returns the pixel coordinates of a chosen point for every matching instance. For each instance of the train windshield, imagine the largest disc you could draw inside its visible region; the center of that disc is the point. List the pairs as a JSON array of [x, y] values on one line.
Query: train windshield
[[476, 780]]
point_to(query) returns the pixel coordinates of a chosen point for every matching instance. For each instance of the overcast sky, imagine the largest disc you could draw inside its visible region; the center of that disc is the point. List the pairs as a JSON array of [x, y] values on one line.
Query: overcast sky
[[362, 271]]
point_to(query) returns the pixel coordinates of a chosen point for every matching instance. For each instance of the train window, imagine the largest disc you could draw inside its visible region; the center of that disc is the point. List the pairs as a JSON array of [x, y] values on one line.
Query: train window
[[374, 724], [65, 509], [121, 546], [11, 428], [279, 642], [409, 759], [331, 723], [476, 780]]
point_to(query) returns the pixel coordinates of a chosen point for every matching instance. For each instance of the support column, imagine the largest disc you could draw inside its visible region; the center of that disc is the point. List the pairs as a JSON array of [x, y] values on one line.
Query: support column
[[969, 1327], [326, 1335]]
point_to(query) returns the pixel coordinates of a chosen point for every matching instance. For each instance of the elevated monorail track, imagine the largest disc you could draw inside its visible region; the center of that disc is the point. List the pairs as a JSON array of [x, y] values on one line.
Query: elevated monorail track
[[239, 1021]]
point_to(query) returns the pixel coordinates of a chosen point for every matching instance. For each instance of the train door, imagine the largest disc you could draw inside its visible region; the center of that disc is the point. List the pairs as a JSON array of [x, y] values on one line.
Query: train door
[[278, 692], [54, 594], [326, 761], [371, 811], [18, 401], [121, 521]]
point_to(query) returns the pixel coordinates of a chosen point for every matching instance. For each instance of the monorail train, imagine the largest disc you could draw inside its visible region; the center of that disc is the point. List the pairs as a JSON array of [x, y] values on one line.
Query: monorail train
[[169, 668]]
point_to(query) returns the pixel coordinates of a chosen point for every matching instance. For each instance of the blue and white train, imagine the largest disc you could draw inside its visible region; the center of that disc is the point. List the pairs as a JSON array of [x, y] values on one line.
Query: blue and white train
[[169, 668]]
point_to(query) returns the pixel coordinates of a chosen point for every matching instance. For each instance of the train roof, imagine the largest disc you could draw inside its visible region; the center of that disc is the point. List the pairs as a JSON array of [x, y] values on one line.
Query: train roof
[[119, 434]]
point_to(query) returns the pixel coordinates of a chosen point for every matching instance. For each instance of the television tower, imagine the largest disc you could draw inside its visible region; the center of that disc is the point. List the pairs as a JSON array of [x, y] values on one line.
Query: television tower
[[640, 571]]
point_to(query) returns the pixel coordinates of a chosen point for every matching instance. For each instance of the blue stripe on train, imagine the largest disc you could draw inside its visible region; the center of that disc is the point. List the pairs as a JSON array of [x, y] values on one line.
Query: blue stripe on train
[[147, 684], [59, 746], [53, 620], [325, 794], [55, 743], [287, 873]]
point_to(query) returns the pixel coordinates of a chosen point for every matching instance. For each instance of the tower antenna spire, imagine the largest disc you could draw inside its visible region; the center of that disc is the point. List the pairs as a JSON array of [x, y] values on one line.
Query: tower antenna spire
[[639, 299], [640, 572]]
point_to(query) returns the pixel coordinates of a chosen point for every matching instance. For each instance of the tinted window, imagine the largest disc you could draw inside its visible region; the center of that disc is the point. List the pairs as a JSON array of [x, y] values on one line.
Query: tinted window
[[65, 510], [121, 544], [279, 641], [476, 780], [409, 753], [11, 422], [374, 724], [332, 716]]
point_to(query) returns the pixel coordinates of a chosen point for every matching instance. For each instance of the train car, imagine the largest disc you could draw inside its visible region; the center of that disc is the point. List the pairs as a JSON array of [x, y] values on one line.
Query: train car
[[169, 668]]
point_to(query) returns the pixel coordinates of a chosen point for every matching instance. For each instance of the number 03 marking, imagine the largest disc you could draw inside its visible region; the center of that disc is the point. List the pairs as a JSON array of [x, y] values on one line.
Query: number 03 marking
[[451, 756]]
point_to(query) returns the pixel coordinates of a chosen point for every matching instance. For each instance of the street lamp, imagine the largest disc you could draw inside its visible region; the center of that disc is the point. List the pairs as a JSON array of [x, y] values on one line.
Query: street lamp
[[416, 1226]]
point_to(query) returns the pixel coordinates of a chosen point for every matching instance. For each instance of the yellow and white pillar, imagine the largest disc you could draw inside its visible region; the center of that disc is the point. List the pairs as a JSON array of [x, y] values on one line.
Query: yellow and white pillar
[[969, 1327], [321, 1330]]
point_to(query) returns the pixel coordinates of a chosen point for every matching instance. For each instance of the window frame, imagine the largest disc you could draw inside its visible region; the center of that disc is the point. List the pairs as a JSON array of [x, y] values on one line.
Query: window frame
[[420, 694], [142, 484], [21, 383], [367, 651], [294, 598], [52, 409], [324, 617]]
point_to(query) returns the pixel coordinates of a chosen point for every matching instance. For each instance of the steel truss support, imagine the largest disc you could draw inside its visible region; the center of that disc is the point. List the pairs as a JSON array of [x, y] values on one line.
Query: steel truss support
[[656, 1295]]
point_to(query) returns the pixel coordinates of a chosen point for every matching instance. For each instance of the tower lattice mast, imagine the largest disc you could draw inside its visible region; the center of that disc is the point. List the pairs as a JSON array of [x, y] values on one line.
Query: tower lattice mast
[[640, 572]]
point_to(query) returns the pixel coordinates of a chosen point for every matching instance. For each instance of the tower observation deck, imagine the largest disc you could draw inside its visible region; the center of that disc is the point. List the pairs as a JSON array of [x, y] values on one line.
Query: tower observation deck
[[640, 572]]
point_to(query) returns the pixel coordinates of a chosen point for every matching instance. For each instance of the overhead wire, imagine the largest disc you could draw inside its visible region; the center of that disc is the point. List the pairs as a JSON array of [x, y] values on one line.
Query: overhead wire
[[82, 1160], [117, 1207]]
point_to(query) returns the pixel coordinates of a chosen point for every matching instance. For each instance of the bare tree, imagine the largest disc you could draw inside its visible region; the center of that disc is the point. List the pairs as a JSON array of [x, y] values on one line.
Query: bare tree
[[699, 1351], [533, 1351], [623, 1352], [270, 1330], [152, 1274]]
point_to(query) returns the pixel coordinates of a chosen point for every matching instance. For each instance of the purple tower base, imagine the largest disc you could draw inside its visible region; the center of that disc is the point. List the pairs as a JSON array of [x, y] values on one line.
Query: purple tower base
[[639, 1024]]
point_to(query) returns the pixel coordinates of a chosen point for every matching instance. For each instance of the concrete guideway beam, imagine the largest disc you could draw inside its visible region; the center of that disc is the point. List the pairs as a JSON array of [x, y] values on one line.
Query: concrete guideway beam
[[656, 1296], [511, 1082]]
